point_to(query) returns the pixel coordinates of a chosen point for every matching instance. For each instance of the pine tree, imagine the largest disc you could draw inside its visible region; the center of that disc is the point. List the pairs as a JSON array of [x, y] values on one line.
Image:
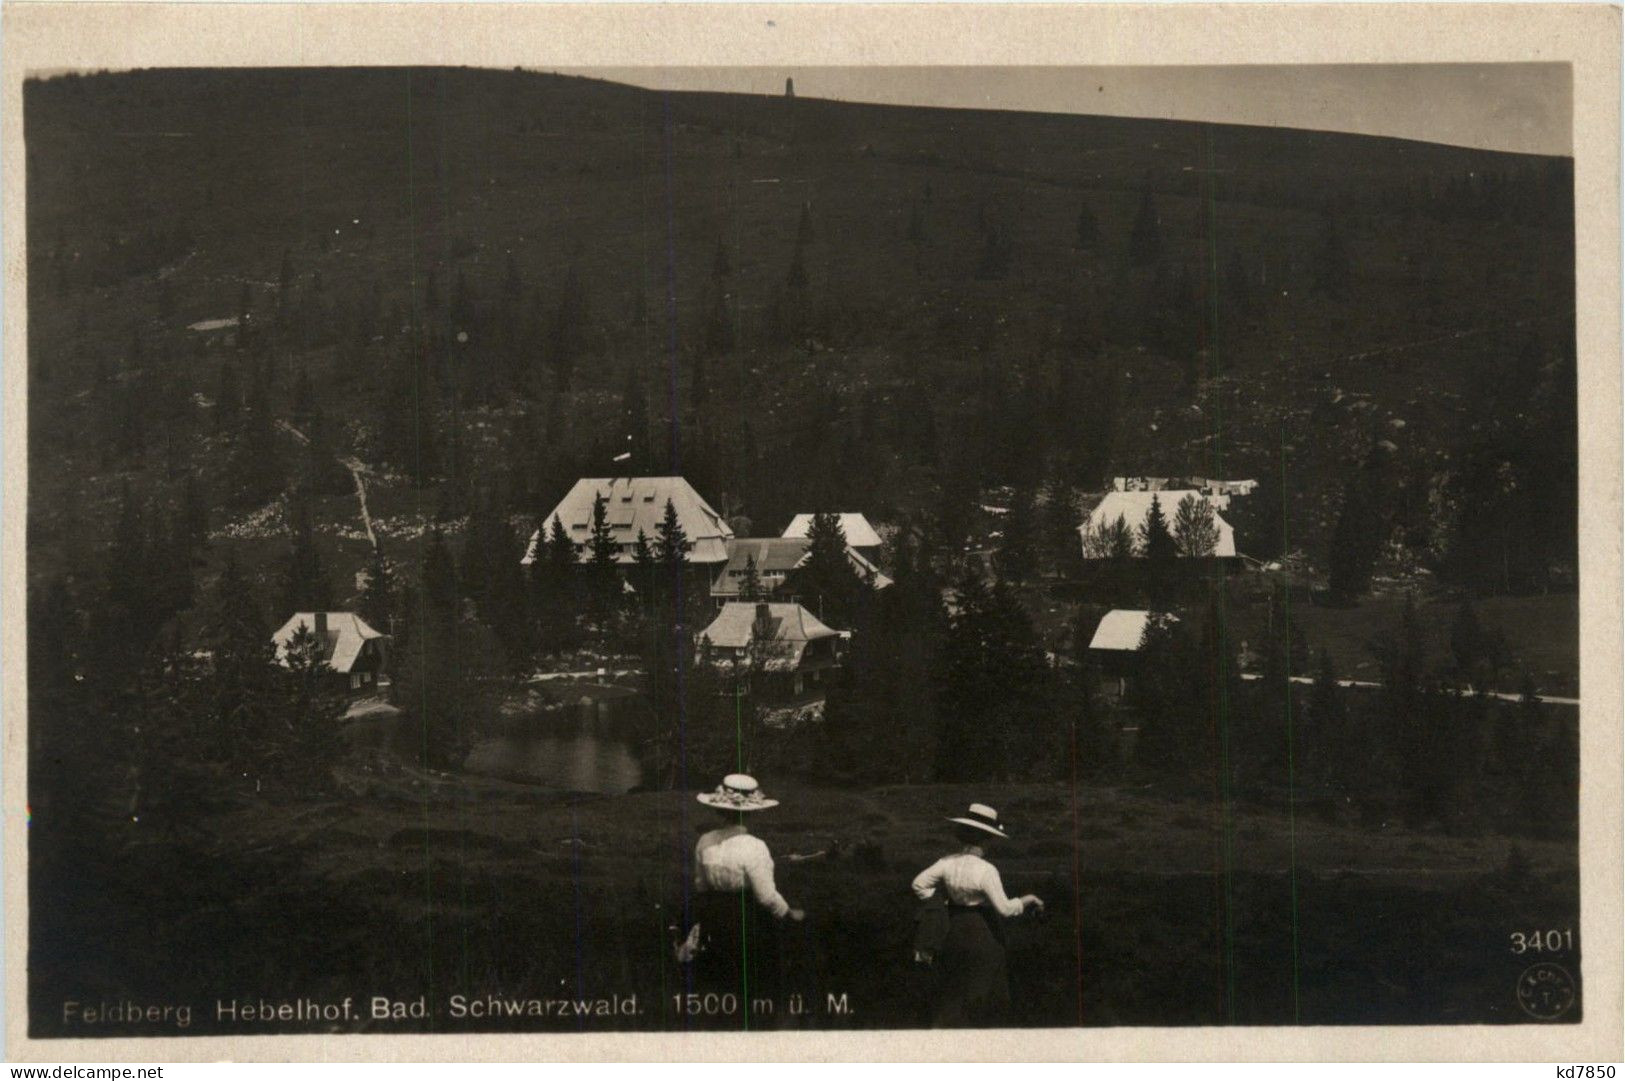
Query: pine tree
[[603, 555], [305, 586], [440, 590], [602, 548], [993, 690], [1355, 543], [378, 601], [1156, 545], [1060, 523], [255, 466], [750, 585], [304, 723], [644, 564], [130, 608], [1017, 556], [825, 581], [448, 679], [1171, 741], [671, 541], [242, 654], [409, 419]]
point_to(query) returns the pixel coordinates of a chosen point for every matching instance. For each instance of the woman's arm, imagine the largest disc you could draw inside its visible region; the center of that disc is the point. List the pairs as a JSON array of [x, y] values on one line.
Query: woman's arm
[[993, 888], [925, 883], [759, 872]]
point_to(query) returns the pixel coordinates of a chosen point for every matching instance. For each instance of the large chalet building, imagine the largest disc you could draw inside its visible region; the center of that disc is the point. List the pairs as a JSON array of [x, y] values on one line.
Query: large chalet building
[[634, 504]]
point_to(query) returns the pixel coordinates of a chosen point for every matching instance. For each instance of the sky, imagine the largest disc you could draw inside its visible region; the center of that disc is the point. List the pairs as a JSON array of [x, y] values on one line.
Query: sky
[[1527, 108]]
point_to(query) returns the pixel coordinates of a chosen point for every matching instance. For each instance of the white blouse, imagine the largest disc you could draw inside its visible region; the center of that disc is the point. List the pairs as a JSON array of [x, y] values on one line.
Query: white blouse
[[729, 859], [969, 880]]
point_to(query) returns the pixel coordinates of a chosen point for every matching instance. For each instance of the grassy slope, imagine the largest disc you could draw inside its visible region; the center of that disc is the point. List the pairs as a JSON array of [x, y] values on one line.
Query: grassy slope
[[1161, 913]]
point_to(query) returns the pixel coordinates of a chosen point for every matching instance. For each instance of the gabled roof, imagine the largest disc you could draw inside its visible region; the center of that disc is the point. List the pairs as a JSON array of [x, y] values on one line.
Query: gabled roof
[[790, 627], [1122, 629], [1132, 507], [777, 556], [639, 503], [346, 634], [859, 533]]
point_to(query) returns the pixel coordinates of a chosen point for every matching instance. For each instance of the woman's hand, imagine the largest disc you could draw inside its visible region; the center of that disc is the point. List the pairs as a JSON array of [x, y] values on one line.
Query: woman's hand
[[795, 915]]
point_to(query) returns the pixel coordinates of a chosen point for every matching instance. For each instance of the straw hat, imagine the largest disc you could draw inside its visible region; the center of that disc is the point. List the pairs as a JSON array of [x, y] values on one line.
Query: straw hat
[[737, 792], [982, 817]]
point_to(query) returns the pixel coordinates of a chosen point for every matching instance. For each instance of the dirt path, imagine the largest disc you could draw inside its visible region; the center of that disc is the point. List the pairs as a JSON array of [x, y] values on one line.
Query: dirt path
[[356, 468]]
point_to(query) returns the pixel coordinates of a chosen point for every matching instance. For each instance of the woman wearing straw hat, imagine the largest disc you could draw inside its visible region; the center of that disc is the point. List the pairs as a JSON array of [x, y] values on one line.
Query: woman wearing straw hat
[[973, 986], [735, 936]]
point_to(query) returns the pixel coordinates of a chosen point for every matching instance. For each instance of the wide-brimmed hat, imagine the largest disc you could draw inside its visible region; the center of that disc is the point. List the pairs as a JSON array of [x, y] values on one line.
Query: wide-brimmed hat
[[982, 817], [737, 792]]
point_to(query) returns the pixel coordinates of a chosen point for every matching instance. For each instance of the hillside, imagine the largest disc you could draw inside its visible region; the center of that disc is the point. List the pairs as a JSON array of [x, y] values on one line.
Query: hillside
[[1159, 912], [838, 304]]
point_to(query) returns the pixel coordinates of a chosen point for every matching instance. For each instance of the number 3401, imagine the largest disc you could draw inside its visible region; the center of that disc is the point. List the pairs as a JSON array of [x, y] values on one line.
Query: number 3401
[[1552, 941]]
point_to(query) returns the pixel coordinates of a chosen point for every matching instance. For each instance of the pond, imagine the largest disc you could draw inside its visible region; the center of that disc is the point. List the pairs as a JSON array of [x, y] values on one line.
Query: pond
[[587, 746]]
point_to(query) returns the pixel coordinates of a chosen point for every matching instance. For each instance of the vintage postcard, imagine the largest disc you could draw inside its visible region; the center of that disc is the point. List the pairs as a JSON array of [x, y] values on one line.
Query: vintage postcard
[[812, 529]]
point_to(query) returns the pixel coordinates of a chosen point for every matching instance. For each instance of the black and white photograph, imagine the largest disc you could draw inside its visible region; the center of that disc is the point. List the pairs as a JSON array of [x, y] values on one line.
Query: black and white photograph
[[526, 549]]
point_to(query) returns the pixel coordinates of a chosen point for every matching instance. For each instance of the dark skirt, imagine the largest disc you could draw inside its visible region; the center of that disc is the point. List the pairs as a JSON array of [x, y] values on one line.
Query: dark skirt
[[972, 983], [741, 947]]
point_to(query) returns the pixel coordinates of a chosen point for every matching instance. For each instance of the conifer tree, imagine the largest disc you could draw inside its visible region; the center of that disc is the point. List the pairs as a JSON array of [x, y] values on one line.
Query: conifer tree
[[644, 564], [1156, 544], [603, 555], [305, 720], [1017, 556], [255, 466], [671, 541], [1355, 542], [305, 586], [378, 601], [440, 592], [750, 585], [242, 658], [826, 582], [992, 687], [1060, 523]]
